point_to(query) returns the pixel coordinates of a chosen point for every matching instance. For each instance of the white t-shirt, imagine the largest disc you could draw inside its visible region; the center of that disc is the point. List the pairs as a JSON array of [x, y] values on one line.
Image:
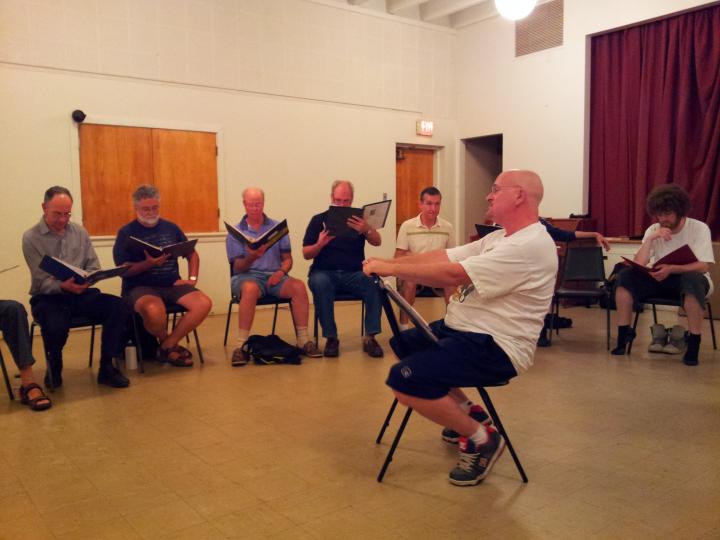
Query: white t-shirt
[[694, 233], [514, 280], [415, 237]]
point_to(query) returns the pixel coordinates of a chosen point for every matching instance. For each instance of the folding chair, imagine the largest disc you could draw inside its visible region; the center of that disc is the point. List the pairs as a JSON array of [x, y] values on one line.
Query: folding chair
[[583, 278], [5, 375]]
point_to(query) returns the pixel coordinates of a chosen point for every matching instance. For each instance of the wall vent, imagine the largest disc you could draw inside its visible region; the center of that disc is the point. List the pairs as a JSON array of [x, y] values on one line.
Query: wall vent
[[542, 29]]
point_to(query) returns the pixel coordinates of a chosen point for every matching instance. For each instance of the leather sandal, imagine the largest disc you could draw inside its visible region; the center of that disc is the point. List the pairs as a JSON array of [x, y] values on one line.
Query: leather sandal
[[184, 353], [39, 403], [173, 357]]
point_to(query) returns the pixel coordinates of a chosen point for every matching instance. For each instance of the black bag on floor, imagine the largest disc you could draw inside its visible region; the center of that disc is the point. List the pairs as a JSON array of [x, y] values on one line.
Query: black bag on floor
[[270, 350]]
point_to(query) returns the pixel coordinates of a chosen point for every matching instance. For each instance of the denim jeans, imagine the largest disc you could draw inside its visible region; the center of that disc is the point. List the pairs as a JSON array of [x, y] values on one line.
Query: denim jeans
[[325, 284]]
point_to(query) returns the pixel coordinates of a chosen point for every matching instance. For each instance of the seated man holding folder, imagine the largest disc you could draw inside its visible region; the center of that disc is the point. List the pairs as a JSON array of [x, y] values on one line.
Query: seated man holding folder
[[669, 205], [488, 334], [154, 279], [264, 270], [54, 302], [337, 268]]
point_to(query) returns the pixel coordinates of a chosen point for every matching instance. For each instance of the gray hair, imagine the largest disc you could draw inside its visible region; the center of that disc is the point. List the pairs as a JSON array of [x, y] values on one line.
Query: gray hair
[[145, 191], [56, 190], [337, 183]]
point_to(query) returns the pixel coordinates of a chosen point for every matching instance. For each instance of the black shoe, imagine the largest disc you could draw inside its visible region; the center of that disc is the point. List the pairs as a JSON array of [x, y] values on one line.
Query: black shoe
[[111, 376], [372, 348], [56, 380], [332, 347], [625, 338], [543, 340]]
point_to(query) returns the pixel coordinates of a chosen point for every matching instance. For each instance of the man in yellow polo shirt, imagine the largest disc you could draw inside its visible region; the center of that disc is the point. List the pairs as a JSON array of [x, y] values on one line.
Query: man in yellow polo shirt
[[425, 232]]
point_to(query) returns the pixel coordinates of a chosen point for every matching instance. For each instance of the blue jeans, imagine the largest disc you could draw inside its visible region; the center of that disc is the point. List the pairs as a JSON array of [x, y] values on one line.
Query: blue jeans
[[325, 284]]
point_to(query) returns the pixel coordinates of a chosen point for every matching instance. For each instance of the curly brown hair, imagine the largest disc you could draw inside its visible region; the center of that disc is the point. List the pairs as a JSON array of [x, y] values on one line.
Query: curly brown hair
[[668, 198]]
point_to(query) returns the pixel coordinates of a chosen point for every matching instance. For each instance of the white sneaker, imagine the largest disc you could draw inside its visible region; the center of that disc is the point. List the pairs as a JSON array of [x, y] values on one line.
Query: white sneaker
[[659, 338], [676, 341]]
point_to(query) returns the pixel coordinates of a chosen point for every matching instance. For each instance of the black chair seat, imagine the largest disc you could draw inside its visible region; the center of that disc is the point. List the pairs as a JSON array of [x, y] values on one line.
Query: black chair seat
[[573, 293]]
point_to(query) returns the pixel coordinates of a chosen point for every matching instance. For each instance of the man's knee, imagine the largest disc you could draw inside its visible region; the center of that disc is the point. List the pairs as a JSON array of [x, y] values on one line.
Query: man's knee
[[319, 282], [626, 278], [297, 289], [151, 308], [249, 289], [694, 287]]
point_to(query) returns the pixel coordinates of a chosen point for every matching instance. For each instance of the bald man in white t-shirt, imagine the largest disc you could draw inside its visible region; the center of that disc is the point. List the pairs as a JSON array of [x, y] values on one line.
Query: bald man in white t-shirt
[[488, 334]]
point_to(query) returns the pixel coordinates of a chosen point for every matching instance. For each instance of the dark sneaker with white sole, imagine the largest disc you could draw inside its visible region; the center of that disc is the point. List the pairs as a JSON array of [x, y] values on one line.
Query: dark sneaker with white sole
[[478, 414], [476, 460]]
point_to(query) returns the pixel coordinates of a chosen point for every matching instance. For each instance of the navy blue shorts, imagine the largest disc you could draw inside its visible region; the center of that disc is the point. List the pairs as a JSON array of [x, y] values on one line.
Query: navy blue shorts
[[460, 359]]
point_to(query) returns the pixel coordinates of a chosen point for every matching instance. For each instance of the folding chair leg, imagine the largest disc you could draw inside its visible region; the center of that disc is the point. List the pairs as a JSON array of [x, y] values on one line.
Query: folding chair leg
[[634, 327], [197, 345], [387, 421], [712, 325], [654, 314], [498, 424], [395, 442], [275, 318], [92, 345], [138, 346], [227, 324], [7, 379]]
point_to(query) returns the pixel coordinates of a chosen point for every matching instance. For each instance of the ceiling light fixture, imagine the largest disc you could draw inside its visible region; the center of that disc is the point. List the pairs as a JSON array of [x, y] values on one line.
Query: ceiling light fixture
[[515, 9]]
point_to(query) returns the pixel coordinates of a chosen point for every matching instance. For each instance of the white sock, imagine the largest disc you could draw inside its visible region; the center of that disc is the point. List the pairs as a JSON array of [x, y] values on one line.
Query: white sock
[[242, 337], [302, 336], [480, 436], [466, 405], [404, 326]]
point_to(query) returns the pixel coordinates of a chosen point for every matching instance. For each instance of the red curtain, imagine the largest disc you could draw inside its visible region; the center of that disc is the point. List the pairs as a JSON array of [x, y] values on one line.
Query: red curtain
[[655, 119]]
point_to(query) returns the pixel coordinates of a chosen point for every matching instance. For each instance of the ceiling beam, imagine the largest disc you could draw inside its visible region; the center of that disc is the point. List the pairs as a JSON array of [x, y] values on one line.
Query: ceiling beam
[[473, 14], [437, 9], [393, 6]]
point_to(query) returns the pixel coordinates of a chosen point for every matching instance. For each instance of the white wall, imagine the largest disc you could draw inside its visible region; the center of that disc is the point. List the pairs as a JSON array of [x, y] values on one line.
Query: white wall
[[292, 145], [538, 101]]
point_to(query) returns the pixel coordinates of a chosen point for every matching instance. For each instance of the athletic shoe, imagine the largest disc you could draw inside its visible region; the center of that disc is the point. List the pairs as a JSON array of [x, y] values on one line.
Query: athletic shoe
[[311, 350], [478, 414], [676, 341], [659, 338], [476, 460]]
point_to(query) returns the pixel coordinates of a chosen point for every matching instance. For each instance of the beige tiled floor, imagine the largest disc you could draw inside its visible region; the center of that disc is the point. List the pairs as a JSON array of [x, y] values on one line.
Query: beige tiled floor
[[614, 447]]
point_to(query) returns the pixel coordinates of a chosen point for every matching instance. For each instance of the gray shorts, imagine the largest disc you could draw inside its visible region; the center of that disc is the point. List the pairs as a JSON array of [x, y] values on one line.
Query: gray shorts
[[169, 295]]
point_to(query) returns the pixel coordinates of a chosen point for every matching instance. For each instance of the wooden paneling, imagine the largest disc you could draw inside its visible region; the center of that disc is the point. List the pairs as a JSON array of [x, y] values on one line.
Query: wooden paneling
[[185, 167], [113, 161], [413, 173]]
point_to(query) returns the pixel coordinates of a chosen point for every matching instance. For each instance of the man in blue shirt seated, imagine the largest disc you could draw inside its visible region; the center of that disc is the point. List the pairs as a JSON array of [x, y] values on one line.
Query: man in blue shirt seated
[[262, 271], [151, 282], [337, 268]]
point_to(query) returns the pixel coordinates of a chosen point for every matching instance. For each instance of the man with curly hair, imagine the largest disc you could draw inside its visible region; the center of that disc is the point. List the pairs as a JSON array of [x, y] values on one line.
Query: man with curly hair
[[668, 205]]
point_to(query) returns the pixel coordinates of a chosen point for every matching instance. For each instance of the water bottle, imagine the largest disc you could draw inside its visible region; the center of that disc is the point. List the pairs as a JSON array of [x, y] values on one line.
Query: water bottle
[[131, 357]]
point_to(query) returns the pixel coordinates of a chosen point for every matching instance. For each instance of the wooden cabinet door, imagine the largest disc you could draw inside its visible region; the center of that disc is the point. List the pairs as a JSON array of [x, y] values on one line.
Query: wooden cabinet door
[[185, 168], [114, 160]]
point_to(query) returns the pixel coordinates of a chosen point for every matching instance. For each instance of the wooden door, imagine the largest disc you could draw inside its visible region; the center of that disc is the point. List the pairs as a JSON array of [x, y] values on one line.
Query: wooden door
[[114, 160], [185, 167], [413, 173]]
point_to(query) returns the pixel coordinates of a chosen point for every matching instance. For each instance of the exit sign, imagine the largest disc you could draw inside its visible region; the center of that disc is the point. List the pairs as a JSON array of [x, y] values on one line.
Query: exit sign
[[424, 127]]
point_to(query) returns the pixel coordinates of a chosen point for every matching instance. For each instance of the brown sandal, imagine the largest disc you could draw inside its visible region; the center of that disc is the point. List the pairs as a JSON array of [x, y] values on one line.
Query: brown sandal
[[34, 403], [173, 357]]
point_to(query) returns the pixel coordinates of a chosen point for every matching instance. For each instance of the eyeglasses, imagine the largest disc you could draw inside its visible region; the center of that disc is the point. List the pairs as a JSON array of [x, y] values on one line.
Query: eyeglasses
[[495, 188]]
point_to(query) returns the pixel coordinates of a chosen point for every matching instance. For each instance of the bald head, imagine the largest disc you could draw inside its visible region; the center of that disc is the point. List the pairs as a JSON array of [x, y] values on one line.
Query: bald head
[[529, 181], [253, 192]]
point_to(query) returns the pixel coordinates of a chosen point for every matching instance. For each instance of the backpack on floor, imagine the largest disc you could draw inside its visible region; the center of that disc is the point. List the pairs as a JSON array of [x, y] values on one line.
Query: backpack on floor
[[270, 349]]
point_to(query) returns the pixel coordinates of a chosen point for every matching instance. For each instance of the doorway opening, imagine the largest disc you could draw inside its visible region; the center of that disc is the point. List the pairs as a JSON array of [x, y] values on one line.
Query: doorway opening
[[414, 171], [483, 163]]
